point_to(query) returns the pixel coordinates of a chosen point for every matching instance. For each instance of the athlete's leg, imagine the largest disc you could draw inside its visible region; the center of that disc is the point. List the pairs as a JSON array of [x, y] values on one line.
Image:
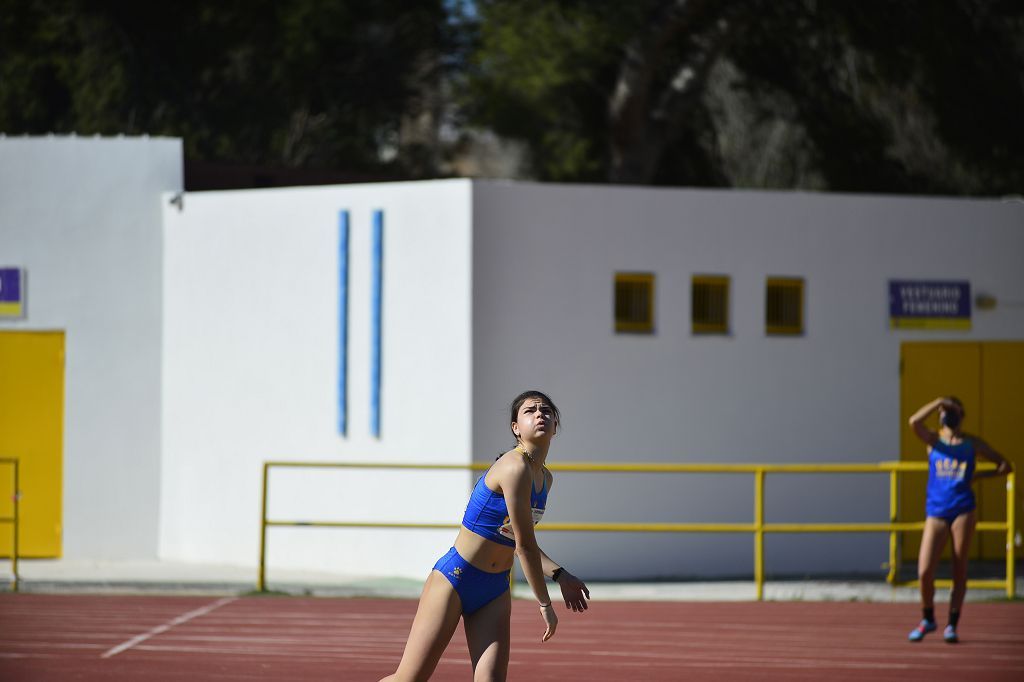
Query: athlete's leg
[[962, 530], [436, 619], [488, 632], [932, 541]]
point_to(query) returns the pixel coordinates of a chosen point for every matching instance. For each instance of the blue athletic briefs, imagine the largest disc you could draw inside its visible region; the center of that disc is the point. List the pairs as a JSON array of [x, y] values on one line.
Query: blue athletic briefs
[[475, 588], [950, 470], [487, 514]]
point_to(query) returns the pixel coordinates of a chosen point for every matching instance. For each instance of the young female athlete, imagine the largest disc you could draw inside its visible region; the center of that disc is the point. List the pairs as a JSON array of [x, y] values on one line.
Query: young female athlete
[[949, 505], [471, 581]]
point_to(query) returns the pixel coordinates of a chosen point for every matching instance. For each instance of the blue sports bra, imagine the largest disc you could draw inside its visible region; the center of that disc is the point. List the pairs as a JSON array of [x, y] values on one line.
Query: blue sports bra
[[487, 514]]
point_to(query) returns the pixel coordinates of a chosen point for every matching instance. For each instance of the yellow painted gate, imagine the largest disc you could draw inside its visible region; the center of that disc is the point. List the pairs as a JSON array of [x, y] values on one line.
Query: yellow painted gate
[[32, 431], [988, 377]]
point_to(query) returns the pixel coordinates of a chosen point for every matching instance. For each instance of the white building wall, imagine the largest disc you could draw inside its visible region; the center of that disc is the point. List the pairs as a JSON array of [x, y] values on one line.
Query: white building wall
[[251, 374], [191, 361], [544, 264], [83, 217]]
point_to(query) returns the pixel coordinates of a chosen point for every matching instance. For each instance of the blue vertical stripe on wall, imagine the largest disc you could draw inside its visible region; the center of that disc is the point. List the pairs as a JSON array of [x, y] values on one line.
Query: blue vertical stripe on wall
[[376, 278], [343, 322]]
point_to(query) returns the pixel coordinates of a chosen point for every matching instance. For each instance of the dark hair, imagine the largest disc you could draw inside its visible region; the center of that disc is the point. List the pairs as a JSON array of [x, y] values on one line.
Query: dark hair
[[956, 401], [526, 395]]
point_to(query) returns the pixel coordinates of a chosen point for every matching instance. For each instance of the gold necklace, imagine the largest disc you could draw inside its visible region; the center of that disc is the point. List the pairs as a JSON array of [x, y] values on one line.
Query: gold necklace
[[520, 448]]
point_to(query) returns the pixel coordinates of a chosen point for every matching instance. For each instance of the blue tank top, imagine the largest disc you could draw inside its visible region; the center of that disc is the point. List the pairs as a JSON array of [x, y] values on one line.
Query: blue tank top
[[950, 470], [487, 514]]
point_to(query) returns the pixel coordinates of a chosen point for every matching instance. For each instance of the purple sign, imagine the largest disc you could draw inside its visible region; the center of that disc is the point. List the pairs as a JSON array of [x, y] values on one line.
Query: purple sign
[[930, 304], [11, 301]]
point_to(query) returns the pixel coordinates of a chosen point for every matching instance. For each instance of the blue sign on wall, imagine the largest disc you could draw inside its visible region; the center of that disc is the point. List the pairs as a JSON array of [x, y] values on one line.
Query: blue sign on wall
[[12, 293], [929, 304]]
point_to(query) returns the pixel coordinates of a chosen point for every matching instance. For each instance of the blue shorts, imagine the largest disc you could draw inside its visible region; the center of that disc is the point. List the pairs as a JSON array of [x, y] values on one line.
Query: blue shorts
[[949, 515], [475, 588]]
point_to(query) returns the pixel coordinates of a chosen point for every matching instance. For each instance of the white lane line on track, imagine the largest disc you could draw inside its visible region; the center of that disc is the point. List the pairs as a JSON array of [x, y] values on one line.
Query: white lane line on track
[[360, 655], [183, 618]]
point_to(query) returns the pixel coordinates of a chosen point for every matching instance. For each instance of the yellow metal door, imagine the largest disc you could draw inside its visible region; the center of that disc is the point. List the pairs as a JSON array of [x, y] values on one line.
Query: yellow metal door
[[1002, 415], [31, 431], [929, 370]]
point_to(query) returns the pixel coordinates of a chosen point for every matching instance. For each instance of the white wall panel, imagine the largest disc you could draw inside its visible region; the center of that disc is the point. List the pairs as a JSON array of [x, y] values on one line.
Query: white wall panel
[[544, 263], [83, 216], [251, 369]]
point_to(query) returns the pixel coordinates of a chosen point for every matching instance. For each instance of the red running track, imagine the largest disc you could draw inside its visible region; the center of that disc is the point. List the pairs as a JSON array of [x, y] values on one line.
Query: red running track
[[47, 638]]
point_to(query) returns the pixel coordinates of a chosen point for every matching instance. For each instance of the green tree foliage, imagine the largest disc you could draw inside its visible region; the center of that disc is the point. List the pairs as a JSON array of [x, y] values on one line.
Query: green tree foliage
[[314, 83], [541, 73], [910, 96]]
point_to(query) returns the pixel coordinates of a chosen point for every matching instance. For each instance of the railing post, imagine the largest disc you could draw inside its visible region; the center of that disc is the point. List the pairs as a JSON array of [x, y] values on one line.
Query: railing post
[[1011, 579], [894, 491], [14, 549], [261, 583], [759, 534]]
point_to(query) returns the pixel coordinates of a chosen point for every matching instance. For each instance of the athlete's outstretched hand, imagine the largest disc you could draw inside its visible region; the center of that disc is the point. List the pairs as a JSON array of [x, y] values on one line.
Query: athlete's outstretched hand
[[547, 612], [574, 591]]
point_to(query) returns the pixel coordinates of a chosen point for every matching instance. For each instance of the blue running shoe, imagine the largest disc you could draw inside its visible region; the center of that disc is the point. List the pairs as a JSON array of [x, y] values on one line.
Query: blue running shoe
[[949, 634], [918, 633]]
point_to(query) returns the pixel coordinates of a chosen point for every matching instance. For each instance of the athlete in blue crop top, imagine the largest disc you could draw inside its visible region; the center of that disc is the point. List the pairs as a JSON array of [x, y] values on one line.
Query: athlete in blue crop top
[[487, 513], [949, 506], [471, 581]]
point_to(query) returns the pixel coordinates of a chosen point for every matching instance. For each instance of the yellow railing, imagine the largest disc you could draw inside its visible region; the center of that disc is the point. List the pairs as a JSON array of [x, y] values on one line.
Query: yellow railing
[[759, 527], [13, 520]]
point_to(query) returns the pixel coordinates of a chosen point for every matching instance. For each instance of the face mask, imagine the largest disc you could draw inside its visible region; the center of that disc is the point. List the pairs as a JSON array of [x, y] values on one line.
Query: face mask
[[950, 419]]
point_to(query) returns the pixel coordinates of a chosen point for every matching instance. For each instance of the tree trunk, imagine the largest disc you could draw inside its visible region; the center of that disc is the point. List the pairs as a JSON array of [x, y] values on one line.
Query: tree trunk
[[646, 108]]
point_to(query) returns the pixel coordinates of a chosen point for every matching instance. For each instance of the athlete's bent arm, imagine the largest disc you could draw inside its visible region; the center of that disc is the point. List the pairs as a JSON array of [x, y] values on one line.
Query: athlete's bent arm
[[1003, 466], [574, 590], [917, 421], [517, 479]]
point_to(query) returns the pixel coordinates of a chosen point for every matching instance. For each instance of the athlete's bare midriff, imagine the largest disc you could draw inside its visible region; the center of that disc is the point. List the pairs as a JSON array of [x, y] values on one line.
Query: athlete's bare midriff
[[482, 553]]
